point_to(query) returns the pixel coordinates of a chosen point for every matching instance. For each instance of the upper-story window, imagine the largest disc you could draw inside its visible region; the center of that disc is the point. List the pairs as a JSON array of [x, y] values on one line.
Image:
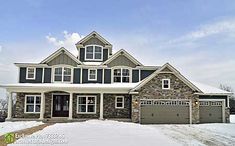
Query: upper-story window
[[121, 75], [165, 83], [92, 74], [62, 74], [94, 52], [30, 73]]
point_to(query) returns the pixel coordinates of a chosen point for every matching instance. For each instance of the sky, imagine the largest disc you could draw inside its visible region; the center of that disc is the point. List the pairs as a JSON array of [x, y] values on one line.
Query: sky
[[195, 36]]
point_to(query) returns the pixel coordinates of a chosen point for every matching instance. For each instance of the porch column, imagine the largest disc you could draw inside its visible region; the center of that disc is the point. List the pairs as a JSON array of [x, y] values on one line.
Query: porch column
[[42, 109], [71, 106], [101, 106], [9, 112]]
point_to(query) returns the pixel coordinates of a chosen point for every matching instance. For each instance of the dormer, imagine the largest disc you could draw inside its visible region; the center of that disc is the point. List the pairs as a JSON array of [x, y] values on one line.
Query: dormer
[[93, 48]]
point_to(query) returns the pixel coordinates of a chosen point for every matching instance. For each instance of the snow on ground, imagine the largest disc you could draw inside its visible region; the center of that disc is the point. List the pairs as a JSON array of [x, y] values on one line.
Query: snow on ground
[[106, 133], [99, 133], [6, 127]]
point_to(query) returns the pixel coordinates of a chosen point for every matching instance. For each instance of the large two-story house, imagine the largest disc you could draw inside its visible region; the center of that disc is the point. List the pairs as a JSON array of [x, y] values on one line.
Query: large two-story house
[[100, 84]]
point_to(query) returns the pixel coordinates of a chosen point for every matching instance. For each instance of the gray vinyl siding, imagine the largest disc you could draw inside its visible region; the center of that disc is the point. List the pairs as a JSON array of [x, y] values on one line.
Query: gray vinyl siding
[[76, 75], [107, 76], [47, 75], [146, 73], [121, 61], [85, 76], [135, 76], [82, 54], [62, 59], [214, 97], [38, 76], [94, 41]]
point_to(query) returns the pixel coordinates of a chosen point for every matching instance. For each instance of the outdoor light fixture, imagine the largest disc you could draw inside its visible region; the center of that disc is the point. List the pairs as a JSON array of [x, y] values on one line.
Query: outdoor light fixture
[[196, 102], [136, 101]]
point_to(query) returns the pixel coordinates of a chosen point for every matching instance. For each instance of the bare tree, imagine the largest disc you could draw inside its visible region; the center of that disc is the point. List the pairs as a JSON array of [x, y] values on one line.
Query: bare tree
[[226, 88], [3, 104]]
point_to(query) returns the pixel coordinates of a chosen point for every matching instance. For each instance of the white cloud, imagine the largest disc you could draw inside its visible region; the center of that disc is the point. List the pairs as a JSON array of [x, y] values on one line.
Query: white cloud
[[207, 30], [69, 40], [0, 48]]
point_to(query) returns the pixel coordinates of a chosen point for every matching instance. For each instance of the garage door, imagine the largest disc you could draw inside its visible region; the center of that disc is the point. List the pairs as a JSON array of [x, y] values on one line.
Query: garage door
[[164, 111], [211, 111]]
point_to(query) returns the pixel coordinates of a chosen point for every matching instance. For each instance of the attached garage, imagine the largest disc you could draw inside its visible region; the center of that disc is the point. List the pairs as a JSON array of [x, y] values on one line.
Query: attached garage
[[211, 111], [157, 111]]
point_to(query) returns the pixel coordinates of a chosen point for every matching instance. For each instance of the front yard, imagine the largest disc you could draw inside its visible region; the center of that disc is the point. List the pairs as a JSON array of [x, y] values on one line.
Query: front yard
[[106, 133]]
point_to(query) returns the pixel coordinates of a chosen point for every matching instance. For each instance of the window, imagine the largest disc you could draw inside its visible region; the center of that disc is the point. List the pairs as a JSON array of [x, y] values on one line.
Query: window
[[119, 102], [32, 103], [30, 73], [94, 52], [62, 74], [121, 75], [165, 83], [92, 74], [86, 104]]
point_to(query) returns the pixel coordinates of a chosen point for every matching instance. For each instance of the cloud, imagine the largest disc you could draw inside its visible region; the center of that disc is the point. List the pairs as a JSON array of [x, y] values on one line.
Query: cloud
[[0, 48], [69, 40], [207, 30]]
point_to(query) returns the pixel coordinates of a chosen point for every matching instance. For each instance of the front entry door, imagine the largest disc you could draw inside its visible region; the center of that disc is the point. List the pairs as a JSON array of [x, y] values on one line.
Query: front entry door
[[60, 106]]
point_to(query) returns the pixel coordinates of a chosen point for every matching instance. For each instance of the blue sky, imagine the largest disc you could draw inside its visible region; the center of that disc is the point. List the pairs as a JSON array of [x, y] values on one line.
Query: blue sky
[[196, 36]]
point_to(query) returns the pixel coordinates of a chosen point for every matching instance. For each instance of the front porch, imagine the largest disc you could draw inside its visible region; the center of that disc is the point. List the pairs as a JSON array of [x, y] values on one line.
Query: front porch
[[61, 106]]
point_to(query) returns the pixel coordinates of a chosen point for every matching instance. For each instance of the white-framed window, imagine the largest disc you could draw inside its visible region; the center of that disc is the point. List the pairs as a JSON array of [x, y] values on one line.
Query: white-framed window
[[165, 83], [32, 103], [62, 74], [86, 104], [121, 75], [92, 74], [119, 102], [30, 73], [94, 52]]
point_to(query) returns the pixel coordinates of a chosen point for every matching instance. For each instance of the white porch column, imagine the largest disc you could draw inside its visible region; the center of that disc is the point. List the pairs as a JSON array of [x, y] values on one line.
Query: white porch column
[[9, 112], [71, 106], [101, 106], [42, 109]]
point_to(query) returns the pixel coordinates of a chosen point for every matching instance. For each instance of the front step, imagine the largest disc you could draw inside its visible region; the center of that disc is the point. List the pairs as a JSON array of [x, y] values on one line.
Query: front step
[[62, 120]]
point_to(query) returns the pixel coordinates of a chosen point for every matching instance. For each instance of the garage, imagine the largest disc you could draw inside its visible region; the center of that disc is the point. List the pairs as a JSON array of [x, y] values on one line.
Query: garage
[[159, 111], [211, 111]]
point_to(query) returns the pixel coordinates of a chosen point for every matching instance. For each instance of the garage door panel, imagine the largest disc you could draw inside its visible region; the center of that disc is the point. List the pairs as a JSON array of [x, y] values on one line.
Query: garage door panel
[[211, 113], [151, 114]]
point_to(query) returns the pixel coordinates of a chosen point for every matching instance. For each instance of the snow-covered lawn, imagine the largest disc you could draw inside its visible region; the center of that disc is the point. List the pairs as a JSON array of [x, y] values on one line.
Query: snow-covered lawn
[[6, 127], [106, 133]]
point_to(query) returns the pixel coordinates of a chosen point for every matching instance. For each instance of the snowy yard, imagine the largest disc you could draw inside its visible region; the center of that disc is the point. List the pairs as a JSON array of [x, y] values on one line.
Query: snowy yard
[[106, 133], [6, 127]]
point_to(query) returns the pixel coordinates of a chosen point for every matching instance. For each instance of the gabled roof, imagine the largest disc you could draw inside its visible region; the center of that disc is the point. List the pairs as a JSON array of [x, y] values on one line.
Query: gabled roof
[[58, 52], [92, 34], [125, 53], [173, 70]]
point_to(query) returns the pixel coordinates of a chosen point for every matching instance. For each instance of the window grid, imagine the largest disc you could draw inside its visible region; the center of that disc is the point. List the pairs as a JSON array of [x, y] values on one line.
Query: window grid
[[93, 52], [34, 104], [62, 74], [31, 72], [87, 104], [121, 75], [118, 102]]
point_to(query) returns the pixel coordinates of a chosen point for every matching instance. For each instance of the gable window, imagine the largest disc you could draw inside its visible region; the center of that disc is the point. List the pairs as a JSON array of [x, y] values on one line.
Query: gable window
[[94, 52], [30, 73], [165, 83], [62, 74], [86, 104], [119, 102], [121, 75], [32, 103], [92, 74]]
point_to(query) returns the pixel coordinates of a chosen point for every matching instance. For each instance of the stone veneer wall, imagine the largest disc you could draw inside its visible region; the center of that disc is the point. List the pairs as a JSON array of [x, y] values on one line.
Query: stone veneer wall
[[109, 106], [20, 106], [153, 90]]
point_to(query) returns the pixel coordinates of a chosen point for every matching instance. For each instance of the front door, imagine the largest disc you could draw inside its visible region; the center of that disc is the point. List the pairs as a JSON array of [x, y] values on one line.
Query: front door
[[60, 106]]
